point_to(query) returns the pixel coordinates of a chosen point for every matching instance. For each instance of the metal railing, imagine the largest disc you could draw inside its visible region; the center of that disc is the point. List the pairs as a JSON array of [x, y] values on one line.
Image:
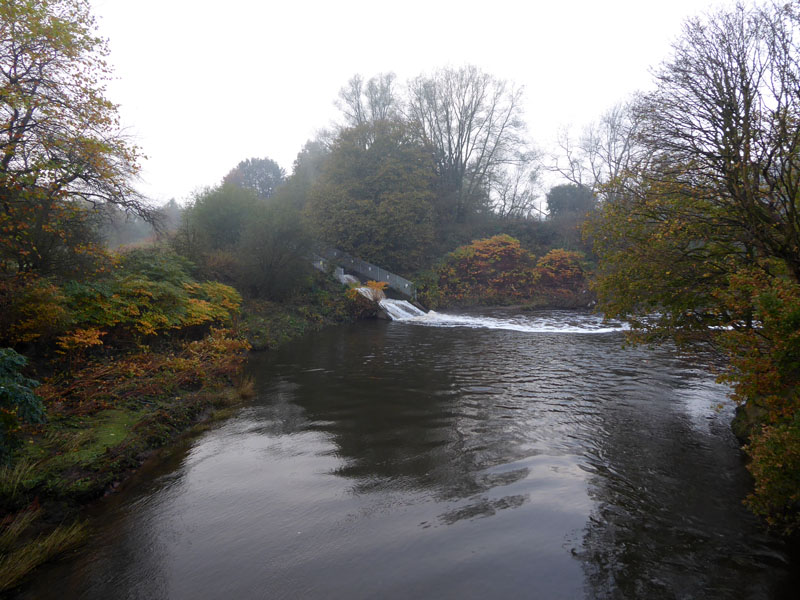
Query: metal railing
[[369, 271]]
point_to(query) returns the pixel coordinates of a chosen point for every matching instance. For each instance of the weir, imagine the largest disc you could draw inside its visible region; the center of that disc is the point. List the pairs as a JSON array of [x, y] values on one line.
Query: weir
[[399, 310], [364, 270]]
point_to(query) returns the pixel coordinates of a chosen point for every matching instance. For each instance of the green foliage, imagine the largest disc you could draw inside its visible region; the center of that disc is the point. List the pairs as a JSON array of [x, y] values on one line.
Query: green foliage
[[563, 200], [48, 237], [16, 564], [259, 246], [218, 217], [157, 263], [31, 309], [261, 175], [133, 306], [775, 465], [273, 253], [663, 251], [702, 243], [375, 197], [150, 294], [18, 402]]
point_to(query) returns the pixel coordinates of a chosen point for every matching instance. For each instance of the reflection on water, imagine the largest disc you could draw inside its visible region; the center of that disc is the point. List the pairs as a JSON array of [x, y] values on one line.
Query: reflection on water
[[393, 460]]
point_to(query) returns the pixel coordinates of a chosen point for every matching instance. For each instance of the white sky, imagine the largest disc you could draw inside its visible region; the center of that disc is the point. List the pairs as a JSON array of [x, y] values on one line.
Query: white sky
[[202, 85]]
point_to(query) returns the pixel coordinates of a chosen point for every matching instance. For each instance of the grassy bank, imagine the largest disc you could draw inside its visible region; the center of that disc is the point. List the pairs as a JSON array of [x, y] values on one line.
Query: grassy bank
[[109, 415]]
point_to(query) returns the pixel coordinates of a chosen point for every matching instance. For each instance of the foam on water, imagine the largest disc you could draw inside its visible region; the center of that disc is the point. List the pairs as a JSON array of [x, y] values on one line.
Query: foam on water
[[551, 322], [400, 310]]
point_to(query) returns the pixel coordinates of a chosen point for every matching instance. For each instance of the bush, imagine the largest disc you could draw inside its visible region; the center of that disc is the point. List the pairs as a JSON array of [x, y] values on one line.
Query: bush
[[775, 465], [496, 270], [272, 257], [18, 402], [31, 308]]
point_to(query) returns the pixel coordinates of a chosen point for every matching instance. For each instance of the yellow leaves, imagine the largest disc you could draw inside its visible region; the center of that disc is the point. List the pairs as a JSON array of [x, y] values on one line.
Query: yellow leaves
[[79, 339]]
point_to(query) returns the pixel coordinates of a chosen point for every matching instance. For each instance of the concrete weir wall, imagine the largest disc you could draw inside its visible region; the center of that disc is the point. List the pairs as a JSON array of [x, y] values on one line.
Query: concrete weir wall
[[369, 271]]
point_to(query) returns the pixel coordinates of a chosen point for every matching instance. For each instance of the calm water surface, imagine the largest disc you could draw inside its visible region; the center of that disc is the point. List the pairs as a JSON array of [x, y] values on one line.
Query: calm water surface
[[478, 456]]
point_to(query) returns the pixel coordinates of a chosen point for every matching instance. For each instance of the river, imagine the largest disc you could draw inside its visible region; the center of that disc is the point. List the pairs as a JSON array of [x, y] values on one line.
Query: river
[[487, 455]]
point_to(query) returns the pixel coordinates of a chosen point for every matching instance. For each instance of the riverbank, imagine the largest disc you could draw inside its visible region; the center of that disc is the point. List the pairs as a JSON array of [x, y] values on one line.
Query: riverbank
[[480, 460], [109, 416]]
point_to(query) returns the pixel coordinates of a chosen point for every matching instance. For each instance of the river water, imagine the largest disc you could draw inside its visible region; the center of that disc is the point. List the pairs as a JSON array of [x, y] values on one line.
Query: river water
[[484, 455]]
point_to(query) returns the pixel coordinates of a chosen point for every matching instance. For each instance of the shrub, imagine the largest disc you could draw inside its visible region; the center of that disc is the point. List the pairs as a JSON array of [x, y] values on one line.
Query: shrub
[[775, 465], [18, 402], [31, 308], [495, 270]]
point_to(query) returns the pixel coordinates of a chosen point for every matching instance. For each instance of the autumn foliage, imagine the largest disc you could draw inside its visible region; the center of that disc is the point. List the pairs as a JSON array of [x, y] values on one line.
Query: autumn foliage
[[135, 303], [499, 271]]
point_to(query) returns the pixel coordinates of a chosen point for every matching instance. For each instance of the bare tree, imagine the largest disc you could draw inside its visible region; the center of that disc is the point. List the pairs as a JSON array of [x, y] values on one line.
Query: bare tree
[[724, 123], [605, 152], [516, 192], [364, 104], [473, 123]]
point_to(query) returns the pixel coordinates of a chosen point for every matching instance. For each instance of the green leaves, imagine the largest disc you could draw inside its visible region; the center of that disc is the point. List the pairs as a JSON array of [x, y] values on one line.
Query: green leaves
[[18, 402], [375, 197]]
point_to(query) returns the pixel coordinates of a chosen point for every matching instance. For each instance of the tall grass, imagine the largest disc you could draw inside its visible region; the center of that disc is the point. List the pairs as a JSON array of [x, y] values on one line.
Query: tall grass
[[16, 564]]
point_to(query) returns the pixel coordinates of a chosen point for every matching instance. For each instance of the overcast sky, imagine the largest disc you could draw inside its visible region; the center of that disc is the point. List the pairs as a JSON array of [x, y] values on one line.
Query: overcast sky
[[202, 85]]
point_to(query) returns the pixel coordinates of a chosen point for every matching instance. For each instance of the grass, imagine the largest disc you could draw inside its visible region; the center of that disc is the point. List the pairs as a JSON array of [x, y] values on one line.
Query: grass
[[246, 388], [15, 480], [17, 563]]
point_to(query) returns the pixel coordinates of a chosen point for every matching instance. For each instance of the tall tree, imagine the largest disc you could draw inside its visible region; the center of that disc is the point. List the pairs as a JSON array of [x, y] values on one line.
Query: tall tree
[[569, 199], [705, 242], [306, 170], [376, 200], [724, 122], [604, 153], [473, 122], [517, 192], [261, 175], [61, 148], [374, 101]]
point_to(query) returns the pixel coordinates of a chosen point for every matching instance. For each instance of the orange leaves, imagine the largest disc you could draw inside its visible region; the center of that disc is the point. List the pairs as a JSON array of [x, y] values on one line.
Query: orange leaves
[[79, 340], [561, 269], [498, 270], [493, 270], [147, 376]]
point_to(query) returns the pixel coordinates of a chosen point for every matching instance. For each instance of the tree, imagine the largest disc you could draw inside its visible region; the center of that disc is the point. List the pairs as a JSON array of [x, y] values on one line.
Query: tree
[[704, 243], [262, 175], [274, 252], [605, 152], [212, 227], [473, 122], [61, 148], [18, 402], [724, 122], [495, 270], [376, 200], [368, 104], [516, 193], [306, 170], [569, 199]]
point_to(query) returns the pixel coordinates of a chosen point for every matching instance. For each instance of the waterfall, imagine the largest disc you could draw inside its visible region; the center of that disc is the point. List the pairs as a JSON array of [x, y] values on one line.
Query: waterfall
[[400, 310]]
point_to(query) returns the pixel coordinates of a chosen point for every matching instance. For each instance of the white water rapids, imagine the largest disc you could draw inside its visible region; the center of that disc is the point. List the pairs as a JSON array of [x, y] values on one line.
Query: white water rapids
[[552, 322]]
